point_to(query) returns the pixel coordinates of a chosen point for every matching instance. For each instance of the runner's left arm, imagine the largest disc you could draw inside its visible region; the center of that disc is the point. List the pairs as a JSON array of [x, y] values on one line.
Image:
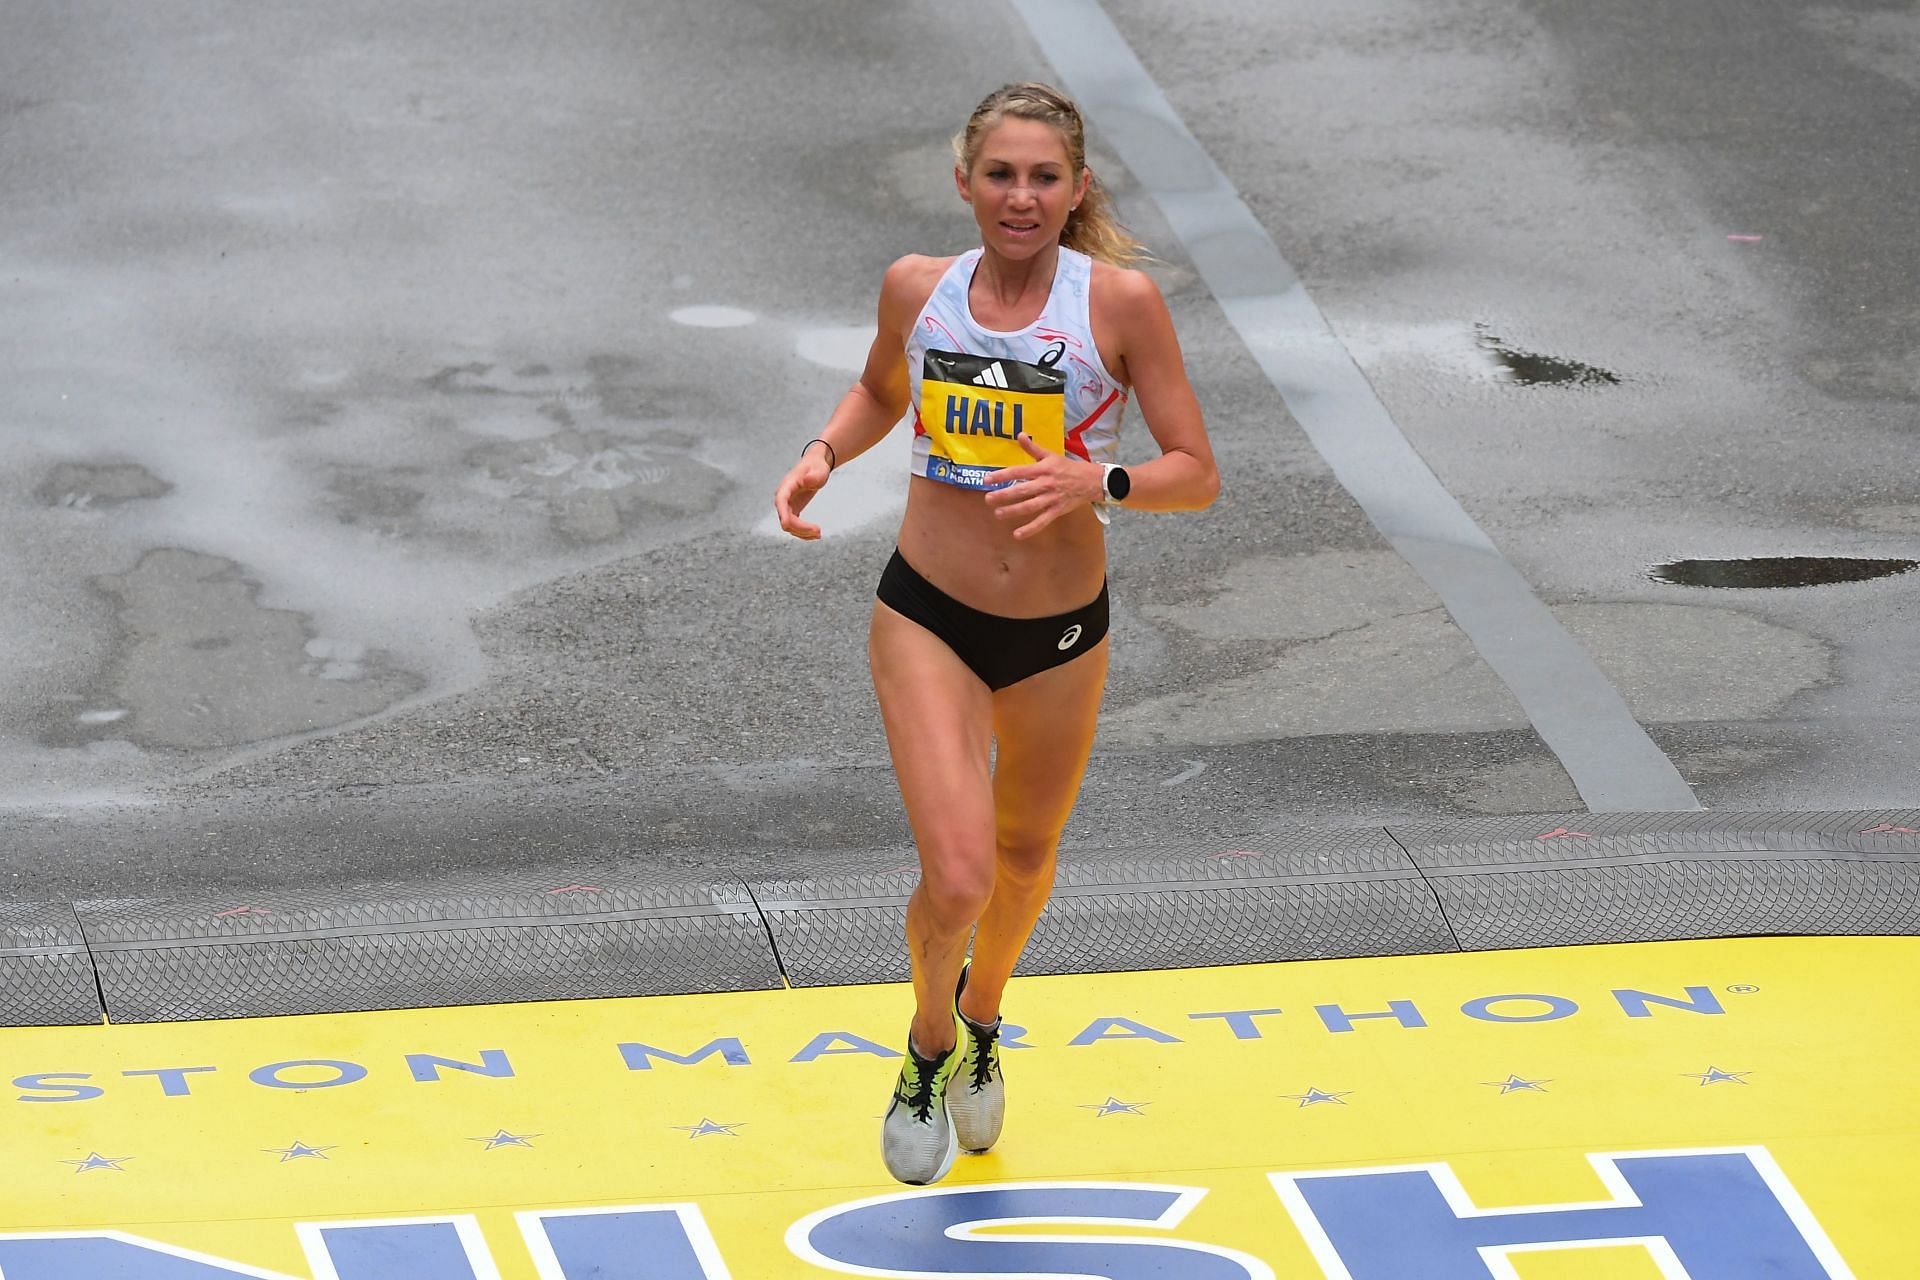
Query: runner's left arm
[[1184, 476]]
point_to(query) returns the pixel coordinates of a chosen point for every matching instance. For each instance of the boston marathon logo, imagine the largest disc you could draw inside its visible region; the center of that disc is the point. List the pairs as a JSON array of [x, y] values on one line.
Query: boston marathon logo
[[1707, 1214], [309, 1074], [1723, 1213], [974, 406]]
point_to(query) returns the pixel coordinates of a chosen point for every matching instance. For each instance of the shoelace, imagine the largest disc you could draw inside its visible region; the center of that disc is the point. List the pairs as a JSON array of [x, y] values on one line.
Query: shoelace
[[919, 1090], [982, 1049], [985, 1055]]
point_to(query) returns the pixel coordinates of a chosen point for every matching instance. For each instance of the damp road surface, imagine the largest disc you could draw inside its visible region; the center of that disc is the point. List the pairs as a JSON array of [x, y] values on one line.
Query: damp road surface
[[393, 398]]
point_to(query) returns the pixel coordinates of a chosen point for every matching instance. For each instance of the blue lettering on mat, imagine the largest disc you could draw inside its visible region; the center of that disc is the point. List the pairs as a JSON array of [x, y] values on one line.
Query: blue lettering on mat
[[1716, 1211], [639, 1057], [823, 1044], [649, 1243], [1121, 1029], [1402, 1011], [1557, 1007], [343, 1073], [376, 1251], [426, 1066], [915, 1235], [50, 1082], [1699, 1000]]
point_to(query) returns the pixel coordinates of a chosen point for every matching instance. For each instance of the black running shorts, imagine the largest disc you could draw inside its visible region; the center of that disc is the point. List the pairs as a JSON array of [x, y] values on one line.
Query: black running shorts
[[1001, 651]]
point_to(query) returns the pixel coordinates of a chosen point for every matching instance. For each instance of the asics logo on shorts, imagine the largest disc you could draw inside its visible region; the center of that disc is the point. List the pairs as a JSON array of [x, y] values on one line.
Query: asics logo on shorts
[[1071, 638]]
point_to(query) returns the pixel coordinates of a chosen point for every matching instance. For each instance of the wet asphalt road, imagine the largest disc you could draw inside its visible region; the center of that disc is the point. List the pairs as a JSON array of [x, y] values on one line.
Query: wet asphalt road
[[392, 401]]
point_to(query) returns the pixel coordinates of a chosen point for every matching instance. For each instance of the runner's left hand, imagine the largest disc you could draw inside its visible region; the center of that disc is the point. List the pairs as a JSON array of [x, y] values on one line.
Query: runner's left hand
[[1043, 490]]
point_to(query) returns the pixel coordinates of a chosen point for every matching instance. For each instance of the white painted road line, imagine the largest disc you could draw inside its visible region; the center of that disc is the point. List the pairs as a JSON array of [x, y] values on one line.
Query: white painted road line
[[1579, 715]]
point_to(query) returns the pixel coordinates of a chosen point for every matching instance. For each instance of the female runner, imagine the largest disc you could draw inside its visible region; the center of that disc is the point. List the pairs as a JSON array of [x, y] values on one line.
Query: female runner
[[988, 642]]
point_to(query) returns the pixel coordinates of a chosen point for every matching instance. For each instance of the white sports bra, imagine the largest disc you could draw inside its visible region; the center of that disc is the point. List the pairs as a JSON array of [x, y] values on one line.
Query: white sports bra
[[974, 388]]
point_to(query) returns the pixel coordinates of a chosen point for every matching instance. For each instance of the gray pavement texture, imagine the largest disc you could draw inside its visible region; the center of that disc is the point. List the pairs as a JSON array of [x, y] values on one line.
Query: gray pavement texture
[[393, 396]]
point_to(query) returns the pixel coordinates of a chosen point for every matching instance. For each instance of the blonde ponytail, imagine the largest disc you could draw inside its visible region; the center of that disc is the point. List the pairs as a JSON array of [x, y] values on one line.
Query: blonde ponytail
[[1095, 231], [1093, 228]]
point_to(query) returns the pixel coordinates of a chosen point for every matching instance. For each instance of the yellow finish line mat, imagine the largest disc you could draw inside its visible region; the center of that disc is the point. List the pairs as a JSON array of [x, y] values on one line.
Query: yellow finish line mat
[[1718, 1110]]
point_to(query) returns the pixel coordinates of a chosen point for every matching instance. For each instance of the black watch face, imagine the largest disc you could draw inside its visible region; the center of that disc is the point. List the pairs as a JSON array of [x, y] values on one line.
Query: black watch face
[[1118, 483]]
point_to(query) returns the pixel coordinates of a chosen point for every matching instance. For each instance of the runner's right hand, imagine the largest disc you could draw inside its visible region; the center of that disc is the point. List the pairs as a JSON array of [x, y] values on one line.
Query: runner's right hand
[[804, 479]]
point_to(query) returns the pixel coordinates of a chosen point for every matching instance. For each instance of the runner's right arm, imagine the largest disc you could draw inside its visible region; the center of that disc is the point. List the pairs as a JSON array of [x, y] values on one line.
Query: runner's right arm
[[873, 404]]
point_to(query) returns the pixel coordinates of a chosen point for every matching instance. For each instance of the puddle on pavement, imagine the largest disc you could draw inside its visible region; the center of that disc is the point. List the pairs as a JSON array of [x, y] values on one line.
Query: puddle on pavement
[[86, 485], [559, 442], [1777, 571], [596, 485], [712, 317], [202, 663], [1534, 370]]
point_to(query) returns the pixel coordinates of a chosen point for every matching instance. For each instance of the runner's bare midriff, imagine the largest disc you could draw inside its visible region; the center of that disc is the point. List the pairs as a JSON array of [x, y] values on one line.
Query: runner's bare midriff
[[965, 548]]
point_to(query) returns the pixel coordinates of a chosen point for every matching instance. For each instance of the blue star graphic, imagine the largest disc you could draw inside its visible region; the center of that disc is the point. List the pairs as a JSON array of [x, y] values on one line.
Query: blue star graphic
[[505, 1139], [1513, 1084], [95, 1160], [1313, 1095], [298, 1151], [1114, 1107], [1714, 1075], [707, 1128]]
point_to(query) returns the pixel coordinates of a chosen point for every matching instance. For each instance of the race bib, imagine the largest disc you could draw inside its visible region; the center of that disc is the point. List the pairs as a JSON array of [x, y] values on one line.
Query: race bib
[[973, 406]]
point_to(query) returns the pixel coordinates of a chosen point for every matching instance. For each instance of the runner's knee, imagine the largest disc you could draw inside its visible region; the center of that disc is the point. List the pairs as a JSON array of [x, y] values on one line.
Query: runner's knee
[[955, 890], [1026, 857]]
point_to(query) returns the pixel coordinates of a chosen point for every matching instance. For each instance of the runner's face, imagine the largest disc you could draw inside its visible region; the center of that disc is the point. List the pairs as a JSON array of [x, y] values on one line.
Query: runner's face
[[1022, 186]]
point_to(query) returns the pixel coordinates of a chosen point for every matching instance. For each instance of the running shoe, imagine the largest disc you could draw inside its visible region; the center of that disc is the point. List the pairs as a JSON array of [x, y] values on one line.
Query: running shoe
[[978, 1098], [916, 1135]]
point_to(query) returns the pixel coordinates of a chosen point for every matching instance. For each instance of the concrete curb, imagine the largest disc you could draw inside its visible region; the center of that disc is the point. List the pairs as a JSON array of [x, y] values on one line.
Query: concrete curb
[[622, 929]]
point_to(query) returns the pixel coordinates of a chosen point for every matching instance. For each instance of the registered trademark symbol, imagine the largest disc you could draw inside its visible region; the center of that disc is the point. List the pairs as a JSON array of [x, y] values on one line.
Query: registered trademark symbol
[[1743, 988]]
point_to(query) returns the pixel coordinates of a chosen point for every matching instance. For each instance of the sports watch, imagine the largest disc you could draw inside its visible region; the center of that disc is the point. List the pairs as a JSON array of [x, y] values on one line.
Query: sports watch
[[1114, 482]]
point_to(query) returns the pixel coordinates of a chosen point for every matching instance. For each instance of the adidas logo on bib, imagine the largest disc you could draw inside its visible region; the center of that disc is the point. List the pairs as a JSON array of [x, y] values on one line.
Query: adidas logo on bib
[[992, 376]]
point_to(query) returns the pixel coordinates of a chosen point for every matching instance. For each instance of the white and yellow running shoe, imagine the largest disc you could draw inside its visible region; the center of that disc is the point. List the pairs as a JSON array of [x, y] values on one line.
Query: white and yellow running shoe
[[916, 1135], [977, 1099]]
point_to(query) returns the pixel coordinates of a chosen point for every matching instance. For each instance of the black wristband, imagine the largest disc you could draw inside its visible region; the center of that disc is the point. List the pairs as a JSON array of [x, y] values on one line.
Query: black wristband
[[833, 458]]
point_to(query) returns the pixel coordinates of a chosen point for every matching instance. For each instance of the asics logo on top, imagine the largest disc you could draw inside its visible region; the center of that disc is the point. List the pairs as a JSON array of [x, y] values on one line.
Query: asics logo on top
[[992, 376], [1071, 638]]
